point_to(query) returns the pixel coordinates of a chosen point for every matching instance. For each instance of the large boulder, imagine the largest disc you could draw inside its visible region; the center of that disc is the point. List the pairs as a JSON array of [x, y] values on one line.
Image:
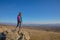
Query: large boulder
[[8, 34]]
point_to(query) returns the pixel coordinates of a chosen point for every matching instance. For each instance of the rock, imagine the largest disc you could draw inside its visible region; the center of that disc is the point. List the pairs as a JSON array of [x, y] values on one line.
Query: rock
[[1, 30], [14, 35], [26, 35]]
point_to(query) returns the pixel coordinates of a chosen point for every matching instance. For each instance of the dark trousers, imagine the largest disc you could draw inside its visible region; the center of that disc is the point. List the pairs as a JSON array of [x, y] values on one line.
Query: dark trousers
[[19, 27], [18, 24]]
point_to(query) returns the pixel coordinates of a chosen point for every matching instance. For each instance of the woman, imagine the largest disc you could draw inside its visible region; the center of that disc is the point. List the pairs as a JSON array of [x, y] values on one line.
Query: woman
[[19, 20]]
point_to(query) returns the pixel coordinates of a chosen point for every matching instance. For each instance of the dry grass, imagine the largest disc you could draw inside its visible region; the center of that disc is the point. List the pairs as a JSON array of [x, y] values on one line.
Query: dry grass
[[43, 35], [37, 34]]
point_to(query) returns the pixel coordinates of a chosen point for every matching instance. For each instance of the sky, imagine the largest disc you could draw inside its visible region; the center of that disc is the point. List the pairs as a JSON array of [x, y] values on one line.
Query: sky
[[33, 11]]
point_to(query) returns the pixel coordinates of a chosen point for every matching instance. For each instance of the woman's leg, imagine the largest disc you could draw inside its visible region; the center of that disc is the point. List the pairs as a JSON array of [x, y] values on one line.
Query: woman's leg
[[17, 25]]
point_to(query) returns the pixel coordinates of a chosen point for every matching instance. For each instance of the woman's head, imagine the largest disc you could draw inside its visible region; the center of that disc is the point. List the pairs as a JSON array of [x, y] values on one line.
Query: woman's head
[[19, 14]]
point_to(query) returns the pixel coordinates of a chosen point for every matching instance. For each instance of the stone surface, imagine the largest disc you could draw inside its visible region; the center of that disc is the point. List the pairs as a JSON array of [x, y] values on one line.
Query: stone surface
[[14, 35]]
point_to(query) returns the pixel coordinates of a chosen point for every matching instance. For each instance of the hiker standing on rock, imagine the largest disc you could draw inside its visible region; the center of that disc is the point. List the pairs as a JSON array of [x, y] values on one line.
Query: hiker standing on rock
[[19, 20]]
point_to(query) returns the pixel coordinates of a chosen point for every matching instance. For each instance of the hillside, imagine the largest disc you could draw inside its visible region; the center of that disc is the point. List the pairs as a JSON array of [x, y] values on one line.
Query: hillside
[[9, 33], [33, 34]]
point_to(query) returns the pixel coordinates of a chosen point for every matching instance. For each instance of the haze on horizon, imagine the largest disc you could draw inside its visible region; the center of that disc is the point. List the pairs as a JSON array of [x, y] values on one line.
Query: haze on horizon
[[33, 11]]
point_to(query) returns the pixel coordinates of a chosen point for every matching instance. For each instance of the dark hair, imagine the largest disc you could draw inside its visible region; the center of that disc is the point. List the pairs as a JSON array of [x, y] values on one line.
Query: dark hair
[[19, 14]]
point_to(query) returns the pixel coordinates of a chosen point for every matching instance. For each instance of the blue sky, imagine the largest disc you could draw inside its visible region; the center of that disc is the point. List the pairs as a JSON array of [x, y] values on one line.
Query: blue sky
[[33, 11]]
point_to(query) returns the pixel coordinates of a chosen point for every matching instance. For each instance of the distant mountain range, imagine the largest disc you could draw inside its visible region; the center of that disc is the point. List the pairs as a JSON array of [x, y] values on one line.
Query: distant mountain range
[[14, 24]]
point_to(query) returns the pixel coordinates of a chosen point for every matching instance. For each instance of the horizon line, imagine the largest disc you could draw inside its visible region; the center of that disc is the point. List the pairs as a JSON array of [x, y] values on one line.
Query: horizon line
[[32, 23]]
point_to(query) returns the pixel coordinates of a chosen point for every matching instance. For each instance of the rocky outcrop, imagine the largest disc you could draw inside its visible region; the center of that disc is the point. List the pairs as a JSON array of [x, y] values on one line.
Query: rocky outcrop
[[14, 35]]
